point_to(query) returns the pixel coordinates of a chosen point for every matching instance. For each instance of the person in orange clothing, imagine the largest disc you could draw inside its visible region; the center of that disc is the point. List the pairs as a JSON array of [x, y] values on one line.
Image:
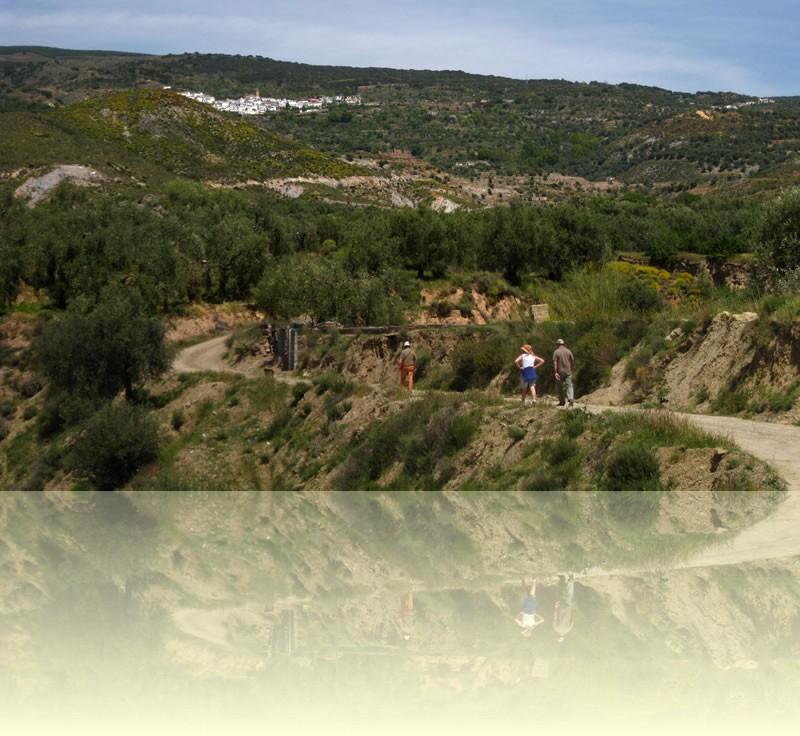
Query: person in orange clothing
[[406, 361]]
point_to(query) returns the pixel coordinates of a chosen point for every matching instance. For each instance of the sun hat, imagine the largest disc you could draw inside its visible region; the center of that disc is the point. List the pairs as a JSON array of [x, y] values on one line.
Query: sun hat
[[406, 344], [527, 348], [559, 341]]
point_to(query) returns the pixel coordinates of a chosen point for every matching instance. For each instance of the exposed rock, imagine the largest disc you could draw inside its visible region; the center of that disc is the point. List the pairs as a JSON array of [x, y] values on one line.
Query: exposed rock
[[39, 187], [714, 359]]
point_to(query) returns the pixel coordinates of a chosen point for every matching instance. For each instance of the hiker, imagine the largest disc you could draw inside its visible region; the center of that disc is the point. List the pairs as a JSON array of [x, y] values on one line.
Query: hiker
[[563, 368], [528, 362], [407, 358], [564, 615], [408, 617], [527, 618]]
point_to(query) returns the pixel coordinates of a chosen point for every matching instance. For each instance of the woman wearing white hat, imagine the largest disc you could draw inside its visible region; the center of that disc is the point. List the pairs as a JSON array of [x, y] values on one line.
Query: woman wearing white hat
[[528, 362]]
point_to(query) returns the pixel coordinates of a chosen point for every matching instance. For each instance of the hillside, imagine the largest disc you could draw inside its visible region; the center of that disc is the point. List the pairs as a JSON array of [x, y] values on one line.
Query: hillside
[[243, 579], [144, 138], [495, 135]]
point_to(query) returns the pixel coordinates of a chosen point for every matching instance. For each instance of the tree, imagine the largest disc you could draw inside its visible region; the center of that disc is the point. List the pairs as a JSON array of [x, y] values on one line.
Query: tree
[[10, 248], [96, 352], [79, 241], [116, 441], [777, 248]]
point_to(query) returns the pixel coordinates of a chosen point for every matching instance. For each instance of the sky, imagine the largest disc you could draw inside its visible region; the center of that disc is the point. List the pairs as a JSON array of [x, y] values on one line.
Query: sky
[[745, 46]]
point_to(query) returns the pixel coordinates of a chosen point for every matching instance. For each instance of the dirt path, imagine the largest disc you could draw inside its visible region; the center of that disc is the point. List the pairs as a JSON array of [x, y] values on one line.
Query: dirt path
[[207, 356], [205, 624]]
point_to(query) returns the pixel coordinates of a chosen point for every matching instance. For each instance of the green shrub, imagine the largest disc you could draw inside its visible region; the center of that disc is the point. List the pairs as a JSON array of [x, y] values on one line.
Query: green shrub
[[333, 382], [476, 361], [178, 419], [541, 481], [441, 309], [462, 429], [117, 441], [560, 450], [702, 395], [729, 402], [575, 422], [568, 472], [599, 351], [632, 468], [50, 421], [640, 296], [781, 401], [299, 390], [246, 342], [43, 468], [337, 410]]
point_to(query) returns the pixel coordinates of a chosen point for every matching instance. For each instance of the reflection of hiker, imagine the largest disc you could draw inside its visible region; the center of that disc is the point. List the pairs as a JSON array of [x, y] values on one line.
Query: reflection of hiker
[[408, 617], [564, 614], [528, 362], [564, 367], [527, 618], [406, 360]]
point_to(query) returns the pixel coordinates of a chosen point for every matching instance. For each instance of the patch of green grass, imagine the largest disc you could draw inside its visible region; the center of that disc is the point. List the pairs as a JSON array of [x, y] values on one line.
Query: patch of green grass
[[264, 394], [657, 429], [730, 401], [418, 437]]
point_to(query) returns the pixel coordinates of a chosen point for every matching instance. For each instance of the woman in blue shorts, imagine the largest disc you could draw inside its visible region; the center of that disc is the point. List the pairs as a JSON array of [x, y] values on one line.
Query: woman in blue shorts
[[528, 362]]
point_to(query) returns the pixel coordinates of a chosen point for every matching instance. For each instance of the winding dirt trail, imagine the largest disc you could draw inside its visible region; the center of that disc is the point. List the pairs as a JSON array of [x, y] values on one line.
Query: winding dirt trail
[[207, 356], [777, 536]]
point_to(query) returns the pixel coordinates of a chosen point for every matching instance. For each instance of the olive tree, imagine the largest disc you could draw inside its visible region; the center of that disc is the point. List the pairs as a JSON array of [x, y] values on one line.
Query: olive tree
[[777, 243], [97, 351]]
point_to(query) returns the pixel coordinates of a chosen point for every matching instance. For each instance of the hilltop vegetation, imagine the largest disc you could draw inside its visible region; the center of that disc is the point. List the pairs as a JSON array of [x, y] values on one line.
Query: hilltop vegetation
[[462, 124]]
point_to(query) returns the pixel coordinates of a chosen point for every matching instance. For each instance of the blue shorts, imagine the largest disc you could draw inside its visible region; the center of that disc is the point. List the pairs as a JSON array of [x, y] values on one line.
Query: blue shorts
[[529, 376]]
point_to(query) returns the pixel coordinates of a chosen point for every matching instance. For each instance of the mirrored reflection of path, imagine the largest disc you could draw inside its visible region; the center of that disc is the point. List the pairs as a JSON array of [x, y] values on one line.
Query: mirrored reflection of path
[[776, 537]]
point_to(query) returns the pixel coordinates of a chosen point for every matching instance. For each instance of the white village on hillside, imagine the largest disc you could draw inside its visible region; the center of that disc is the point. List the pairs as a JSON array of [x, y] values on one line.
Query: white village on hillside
[[255, 104]]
